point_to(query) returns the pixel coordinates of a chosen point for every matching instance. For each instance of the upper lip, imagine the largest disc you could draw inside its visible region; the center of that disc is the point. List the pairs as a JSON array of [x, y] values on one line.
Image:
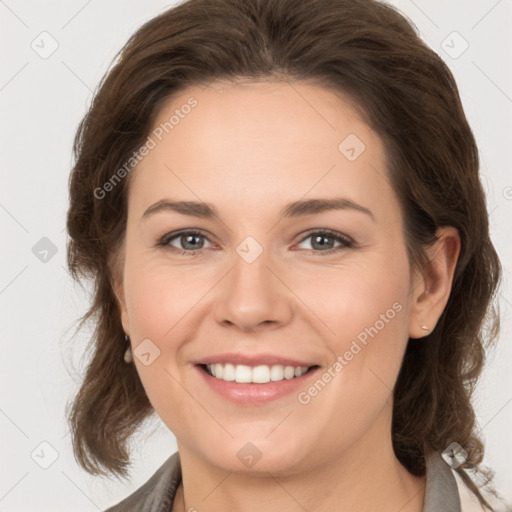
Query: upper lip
[[253, 360]]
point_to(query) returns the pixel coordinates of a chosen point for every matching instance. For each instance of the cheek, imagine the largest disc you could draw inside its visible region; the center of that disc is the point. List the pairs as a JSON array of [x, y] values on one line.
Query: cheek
[[160, 296], [371, 310], [367, 311], [159, 302], [164, 305], [361, 300]]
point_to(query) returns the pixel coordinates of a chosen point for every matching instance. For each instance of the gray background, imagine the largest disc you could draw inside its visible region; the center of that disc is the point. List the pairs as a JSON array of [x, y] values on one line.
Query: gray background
[[42, 99]]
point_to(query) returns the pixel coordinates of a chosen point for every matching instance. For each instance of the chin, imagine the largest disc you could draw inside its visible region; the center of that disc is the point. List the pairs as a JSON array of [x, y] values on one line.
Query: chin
[[259, 456]]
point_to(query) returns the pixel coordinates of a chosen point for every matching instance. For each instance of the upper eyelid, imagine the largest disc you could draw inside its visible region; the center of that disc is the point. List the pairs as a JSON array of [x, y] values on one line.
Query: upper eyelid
[[196, 231], [340, 237]]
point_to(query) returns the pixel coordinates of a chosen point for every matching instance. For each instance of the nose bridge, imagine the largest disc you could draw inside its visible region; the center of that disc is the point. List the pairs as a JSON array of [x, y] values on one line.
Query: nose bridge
[[253, 295]]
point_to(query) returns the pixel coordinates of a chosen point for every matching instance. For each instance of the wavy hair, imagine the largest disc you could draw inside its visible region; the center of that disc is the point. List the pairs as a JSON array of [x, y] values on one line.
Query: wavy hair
[[371, 54]]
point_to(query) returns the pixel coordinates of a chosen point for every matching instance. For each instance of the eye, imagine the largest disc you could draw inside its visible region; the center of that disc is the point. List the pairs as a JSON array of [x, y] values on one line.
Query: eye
[[187, 241], [324, 240], [192, 241]]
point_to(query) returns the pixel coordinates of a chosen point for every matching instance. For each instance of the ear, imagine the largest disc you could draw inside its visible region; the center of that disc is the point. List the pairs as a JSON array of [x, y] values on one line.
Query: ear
[[431, 290]]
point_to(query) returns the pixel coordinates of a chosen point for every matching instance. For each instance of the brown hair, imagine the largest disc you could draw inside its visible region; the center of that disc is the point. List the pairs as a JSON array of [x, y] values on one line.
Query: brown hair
[[367, 51]]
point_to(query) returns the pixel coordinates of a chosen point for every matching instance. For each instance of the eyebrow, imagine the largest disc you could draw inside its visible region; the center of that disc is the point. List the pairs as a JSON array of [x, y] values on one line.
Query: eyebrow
[[296, 209]]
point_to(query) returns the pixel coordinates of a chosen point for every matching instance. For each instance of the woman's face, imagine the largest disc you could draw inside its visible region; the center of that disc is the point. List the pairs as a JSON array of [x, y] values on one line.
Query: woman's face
[[259, 287]]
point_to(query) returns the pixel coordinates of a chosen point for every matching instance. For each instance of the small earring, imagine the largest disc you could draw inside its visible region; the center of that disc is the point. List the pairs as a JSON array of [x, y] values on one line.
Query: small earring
[[425, 327], [128, 356]]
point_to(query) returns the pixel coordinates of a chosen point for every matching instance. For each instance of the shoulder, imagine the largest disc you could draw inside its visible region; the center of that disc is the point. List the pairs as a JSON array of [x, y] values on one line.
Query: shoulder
[[452, 490], [157, 494], [469, 501]]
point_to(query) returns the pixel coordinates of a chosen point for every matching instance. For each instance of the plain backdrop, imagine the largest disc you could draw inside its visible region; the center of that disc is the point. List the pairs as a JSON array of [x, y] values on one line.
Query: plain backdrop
[[43, 97]]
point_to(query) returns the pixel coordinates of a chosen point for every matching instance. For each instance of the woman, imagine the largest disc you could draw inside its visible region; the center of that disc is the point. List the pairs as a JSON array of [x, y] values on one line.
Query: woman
[[279, 204]]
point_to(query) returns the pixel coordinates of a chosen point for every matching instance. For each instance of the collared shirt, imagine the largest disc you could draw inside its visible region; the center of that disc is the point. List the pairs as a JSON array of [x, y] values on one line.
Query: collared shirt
[[444, 491]]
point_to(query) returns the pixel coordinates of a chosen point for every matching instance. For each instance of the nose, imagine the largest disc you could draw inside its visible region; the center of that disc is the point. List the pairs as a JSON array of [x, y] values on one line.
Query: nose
[[254, 296]]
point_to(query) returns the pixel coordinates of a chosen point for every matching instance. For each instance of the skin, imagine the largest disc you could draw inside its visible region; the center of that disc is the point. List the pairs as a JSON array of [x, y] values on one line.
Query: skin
[[249, 149]]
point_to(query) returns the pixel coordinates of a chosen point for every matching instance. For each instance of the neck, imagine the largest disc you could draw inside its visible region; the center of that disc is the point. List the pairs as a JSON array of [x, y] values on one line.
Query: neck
[[363, 478]]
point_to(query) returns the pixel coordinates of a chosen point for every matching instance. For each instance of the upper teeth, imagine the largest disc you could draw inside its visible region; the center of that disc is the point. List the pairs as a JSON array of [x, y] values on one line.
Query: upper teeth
[[258, 374]]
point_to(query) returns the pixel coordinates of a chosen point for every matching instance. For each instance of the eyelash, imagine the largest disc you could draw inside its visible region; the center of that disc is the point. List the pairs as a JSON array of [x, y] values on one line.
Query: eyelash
[[345, 241]]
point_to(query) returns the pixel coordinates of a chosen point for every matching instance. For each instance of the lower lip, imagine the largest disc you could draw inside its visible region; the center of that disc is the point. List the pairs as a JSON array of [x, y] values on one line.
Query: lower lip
[[254, 394]]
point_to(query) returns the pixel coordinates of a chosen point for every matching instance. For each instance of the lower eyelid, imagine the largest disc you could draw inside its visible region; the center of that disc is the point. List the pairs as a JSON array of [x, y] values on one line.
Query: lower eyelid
[[344, 241], [166, 241]]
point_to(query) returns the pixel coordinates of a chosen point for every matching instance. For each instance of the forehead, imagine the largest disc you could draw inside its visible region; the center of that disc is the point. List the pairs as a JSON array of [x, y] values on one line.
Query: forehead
[[260, 141], [249, 111]]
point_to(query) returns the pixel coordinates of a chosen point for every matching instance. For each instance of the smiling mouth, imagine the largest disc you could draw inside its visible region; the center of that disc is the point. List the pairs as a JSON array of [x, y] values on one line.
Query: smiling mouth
[[261, 374]]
